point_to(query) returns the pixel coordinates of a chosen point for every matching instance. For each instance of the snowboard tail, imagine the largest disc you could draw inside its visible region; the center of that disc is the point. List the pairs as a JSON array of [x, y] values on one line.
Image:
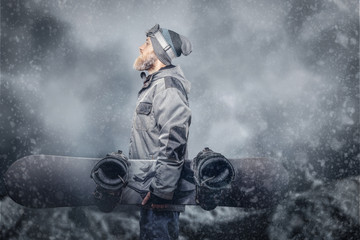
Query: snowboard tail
[[44, 181]]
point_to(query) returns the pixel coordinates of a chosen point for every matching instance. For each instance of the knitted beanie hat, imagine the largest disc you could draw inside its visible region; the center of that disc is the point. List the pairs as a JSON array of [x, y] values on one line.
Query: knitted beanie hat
[[168, 44]]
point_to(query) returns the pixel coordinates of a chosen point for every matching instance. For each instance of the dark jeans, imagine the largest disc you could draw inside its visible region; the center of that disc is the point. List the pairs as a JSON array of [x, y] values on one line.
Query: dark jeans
[[159, 225]]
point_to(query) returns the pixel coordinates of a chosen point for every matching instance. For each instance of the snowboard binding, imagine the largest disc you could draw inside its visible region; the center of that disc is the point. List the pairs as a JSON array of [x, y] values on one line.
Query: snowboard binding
[[111, 177], [212, 173]]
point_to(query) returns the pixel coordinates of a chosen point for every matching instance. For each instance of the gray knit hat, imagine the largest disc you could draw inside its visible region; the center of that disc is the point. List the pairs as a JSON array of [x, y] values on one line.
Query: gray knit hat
[[168, 44]]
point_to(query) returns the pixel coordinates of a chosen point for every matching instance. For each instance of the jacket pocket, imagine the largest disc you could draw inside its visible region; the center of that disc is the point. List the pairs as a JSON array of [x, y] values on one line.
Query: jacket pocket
[[144, 119], [144, 108]]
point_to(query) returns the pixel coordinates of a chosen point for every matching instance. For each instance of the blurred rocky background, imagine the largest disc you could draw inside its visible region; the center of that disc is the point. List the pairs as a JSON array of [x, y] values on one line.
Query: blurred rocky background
[[270, 78]]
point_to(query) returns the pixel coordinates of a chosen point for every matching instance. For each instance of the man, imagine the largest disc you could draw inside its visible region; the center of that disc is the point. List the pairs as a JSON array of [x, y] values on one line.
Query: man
[[161, 127]]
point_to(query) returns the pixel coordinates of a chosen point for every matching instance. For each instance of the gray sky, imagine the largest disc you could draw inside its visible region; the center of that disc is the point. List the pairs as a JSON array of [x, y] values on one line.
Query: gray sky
[[269, 78]]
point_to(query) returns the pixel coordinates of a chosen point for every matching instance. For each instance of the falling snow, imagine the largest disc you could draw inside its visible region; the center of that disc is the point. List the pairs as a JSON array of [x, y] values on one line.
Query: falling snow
[[270, 78]]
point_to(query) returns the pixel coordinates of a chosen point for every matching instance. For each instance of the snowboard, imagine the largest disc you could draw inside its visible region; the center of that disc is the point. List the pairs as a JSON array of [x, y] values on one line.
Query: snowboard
[[46, 181]]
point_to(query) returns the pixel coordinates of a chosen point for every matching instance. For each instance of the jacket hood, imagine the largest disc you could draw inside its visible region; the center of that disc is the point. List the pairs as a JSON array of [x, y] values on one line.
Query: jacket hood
[[173, 71]]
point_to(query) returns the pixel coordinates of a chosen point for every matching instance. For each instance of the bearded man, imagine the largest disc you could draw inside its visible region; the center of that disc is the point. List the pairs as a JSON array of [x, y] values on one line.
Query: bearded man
[[161, 127]]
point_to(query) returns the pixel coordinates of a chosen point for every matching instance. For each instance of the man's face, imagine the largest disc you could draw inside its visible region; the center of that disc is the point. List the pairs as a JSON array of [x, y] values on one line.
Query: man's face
[[147, 56]]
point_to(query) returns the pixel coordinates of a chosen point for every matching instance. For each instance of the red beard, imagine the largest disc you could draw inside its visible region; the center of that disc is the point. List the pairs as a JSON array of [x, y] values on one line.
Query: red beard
[[145, 62]]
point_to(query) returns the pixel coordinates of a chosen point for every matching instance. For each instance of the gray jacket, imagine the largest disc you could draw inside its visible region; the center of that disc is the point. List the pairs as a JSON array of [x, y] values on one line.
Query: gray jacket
[[161, 127]]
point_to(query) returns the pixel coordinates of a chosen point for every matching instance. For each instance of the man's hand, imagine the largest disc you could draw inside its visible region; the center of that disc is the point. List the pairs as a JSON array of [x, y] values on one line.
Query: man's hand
[[153, 205]]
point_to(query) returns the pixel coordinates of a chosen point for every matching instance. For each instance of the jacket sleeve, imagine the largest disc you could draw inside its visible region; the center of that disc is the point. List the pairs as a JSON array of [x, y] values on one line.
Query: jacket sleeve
[[172, 115]]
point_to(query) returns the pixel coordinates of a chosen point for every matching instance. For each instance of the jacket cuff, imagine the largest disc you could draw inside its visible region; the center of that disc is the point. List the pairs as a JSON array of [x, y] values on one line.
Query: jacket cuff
[[155, 198]]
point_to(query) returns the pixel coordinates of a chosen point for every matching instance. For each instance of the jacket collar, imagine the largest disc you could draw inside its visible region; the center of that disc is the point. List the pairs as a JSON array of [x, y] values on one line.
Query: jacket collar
[[152, 77]]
